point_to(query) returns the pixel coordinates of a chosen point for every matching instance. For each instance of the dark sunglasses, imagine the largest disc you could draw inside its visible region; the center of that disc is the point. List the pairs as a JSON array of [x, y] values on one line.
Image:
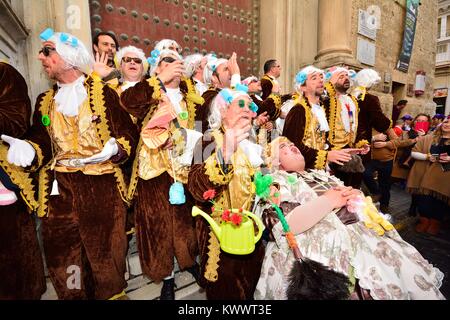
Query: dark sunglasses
[[168, 59], [129, 59], [46, 51]]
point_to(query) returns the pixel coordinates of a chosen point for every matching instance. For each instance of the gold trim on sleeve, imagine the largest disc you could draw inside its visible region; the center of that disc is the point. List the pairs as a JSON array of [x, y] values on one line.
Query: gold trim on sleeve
[[154, 83], [125, 144], [98, 105], [20, 178], [321, 159], [215, 173]]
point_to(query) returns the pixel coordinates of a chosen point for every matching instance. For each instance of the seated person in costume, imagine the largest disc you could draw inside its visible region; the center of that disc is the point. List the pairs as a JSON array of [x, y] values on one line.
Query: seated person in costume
[[366, 248]]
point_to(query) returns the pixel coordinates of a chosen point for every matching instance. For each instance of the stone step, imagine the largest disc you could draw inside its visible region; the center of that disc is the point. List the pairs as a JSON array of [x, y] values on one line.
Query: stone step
[[142, 288]]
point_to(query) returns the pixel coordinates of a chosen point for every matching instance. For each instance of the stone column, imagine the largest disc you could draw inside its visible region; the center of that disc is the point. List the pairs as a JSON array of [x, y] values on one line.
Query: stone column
[[289, 34], [334, 43], [73, 16]]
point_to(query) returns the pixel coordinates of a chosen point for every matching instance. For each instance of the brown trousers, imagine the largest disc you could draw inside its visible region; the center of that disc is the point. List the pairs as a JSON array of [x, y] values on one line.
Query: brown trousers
[[163, 231], [21, 267], [84, 237]]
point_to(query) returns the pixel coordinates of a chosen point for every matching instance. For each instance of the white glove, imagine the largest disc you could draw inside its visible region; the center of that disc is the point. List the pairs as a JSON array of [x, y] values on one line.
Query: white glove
[[109, 150], [20, 152]]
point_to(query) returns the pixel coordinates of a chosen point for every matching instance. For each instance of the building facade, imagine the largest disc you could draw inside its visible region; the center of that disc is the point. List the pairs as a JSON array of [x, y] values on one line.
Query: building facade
[[356, 33], [442, 75]]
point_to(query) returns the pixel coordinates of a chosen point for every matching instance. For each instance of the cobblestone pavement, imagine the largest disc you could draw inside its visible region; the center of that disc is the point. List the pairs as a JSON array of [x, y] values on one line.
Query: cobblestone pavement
[[436, 249]]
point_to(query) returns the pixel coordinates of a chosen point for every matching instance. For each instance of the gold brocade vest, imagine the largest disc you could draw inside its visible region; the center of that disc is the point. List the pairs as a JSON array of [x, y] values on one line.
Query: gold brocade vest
[[342, 138], [313, 137], [338, 136], [76, 137], [94, 105], [239, 193]]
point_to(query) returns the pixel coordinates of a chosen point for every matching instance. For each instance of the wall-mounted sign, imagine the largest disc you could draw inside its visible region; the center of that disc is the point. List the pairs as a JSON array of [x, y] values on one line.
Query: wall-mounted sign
[[412, 9], [364, 28], [366, 52]]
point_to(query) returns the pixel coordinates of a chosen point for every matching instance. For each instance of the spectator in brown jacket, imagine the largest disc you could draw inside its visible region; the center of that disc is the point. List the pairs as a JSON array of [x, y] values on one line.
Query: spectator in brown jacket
[[383, 154]]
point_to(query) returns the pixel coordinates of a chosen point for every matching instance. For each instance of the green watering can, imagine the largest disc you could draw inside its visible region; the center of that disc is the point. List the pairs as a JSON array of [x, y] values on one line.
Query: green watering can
[[239, 240]]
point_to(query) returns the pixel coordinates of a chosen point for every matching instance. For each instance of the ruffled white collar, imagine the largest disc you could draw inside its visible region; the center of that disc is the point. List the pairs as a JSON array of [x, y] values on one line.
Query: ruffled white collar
[[70, 96]]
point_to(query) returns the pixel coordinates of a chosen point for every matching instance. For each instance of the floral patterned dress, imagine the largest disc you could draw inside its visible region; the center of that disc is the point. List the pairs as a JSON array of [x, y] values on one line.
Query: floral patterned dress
[[387, 266]]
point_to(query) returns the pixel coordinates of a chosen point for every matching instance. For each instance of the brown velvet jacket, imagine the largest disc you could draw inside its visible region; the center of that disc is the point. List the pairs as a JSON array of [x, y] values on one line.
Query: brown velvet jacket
[[266, 85], [238, 275], [271, 105], [294, 130], [112, 122], [370, 117], [203, 110], [15, 105], [360, 139], [15, 112]]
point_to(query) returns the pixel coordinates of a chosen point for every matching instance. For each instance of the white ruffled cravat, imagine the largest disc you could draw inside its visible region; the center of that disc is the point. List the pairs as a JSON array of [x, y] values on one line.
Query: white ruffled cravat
[[175, 98], [253, 152], [128, 84], [70, 96], [318, 111]]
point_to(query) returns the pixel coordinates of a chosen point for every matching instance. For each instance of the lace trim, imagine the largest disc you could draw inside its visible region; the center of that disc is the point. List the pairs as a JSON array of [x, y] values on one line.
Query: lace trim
[[98, 104], [125, 144], [321, 159], [333, 109], [214, 171], [212, 264], [20, 178], [154, 83], [44, 184], [276, 100], [192, 99]]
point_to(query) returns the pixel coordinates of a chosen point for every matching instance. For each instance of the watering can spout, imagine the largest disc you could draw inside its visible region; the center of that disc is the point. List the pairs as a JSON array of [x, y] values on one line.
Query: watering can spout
[[214, 226]]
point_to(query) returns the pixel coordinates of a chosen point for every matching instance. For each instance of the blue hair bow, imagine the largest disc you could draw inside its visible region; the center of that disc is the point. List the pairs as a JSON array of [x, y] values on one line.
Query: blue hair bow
[[254, 107], [301, 77], [65, 38], [46, 34], [154, 55], [226, 95], [241, 87], [328, 75]]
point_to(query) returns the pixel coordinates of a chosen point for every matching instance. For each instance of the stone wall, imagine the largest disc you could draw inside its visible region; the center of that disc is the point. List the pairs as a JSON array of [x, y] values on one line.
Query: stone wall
[[388, 46]]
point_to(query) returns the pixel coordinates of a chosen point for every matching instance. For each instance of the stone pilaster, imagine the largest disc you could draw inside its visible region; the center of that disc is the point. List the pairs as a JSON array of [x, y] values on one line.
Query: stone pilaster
[[334, 34]]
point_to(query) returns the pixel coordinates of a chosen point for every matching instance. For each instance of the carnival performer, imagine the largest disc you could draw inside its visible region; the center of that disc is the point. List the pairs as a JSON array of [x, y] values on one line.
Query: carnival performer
[[165, 107], [225, 176], [306, 123], [342, 114], [79, 138], [21, 266], [366, 247]]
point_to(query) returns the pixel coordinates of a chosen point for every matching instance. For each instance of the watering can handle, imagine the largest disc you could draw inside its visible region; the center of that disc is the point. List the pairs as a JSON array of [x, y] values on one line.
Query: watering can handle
[[259, 224]]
